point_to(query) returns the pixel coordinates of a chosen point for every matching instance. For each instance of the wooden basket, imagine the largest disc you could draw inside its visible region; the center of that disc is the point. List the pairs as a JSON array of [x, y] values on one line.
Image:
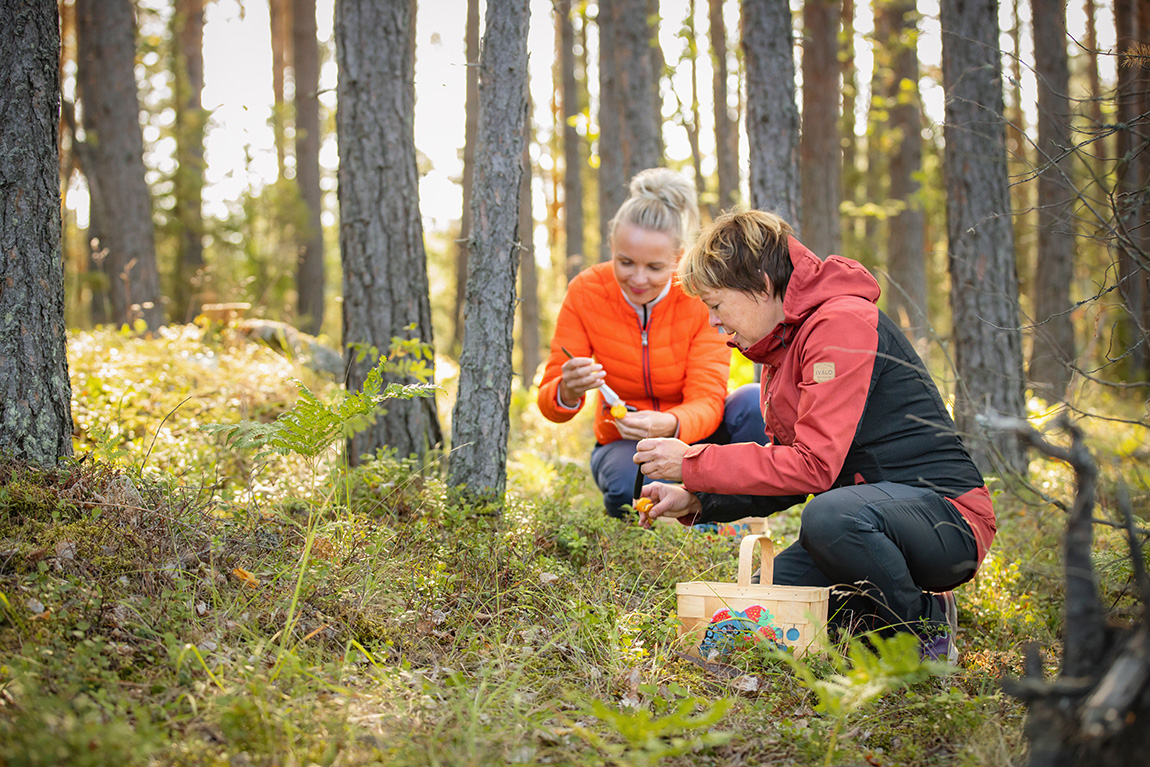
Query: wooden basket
[[719, 618]]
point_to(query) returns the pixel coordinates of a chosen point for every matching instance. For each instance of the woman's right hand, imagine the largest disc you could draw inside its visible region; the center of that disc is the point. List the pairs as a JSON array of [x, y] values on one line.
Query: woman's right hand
[[579, 376], [672, 501]]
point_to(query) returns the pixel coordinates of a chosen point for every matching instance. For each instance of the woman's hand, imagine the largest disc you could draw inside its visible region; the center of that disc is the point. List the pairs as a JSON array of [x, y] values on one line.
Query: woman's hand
[[671, 501], [661, 458], [579, 376], [647, 423]]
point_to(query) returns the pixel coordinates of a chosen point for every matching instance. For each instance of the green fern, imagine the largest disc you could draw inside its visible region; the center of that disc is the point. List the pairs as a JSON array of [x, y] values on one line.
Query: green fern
[[311, 426]]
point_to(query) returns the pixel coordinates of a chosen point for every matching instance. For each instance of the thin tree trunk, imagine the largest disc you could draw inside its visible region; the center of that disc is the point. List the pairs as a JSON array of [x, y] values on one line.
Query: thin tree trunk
[[529, 335], [572, 145], [873, 250], [310, 279], [820, 148], [1093, 79], [641, 132], [726, 129], [279, 15], [1053, 351], [480, 418], [385, 286], [191, 121], [906, 296], [35, 393], [852, 179], [772, 115], [106, 32], [984, 280], [691, 123], [471, 132], [611, 173]]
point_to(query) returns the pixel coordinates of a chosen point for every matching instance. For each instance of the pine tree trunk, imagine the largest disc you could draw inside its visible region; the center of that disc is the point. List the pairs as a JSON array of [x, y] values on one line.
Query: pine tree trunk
[[772, 116], [873, 249], [385, 287], [106, 35], [726, 129], [984, 280], [279, 16], [1093, 79], [35, 393], [612, 174], [529, 335], [1053, 351], [819, 146], [310, 276], [1130, 192], [480, 418], [470, 136], [906, 295], [572, 145], [191, 121], [691, 122], [852, 179]]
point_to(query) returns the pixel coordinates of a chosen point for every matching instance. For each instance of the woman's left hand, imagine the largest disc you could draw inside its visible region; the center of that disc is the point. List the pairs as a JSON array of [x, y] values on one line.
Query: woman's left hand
[[661, 458], [647, 423]]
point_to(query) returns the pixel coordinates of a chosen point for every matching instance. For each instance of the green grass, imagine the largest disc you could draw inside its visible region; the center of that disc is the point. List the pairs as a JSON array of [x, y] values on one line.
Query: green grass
[[168, 600]]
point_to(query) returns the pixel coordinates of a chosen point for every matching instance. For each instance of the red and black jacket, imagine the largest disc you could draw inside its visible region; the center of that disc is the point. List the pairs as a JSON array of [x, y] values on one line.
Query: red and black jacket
[[846, 400]]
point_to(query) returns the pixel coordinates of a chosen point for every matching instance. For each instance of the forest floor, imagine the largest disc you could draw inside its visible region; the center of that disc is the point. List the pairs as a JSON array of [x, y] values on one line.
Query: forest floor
[[168, 599]]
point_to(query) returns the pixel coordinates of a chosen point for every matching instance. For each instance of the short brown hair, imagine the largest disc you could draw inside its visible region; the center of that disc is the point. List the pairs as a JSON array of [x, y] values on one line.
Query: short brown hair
[[736, 251]]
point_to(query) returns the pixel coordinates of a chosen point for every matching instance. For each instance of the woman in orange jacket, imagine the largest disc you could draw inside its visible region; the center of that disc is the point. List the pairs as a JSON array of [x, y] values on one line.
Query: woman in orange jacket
[[627, 330]]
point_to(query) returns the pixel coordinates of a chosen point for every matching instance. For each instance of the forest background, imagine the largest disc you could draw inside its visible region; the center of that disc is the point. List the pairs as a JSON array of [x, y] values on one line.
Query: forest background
[[318, 583]]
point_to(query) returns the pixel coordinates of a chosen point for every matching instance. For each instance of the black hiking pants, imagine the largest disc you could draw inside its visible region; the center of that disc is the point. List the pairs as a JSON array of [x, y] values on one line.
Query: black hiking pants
[[886, 548]]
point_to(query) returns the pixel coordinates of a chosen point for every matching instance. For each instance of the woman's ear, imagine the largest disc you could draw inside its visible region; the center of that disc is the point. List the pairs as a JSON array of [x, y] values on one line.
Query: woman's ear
[[768, 288]]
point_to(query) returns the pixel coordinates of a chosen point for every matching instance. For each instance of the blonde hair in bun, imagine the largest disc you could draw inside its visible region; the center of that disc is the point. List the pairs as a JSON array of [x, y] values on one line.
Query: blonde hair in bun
[[660, 200]]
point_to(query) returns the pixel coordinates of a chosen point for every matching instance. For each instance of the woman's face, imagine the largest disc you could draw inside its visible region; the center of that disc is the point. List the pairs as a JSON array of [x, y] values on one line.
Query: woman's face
[[746, 317], [643, 261]]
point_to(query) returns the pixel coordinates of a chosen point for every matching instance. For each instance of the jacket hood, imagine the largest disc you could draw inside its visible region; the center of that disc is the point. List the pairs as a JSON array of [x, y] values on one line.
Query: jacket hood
[[813, 282]]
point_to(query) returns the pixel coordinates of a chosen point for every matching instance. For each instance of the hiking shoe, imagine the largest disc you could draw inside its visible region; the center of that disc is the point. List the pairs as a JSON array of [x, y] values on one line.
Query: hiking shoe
[[943, 647]]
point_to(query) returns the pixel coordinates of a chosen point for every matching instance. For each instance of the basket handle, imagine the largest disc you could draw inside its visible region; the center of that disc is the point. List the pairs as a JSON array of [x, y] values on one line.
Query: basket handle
[[766, 563]]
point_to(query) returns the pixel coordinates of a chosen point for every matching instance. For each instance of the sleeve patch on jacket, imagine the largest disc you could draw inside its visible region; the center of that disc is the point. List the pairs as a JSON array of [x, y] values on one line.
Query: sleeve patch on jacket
[[824, 371]]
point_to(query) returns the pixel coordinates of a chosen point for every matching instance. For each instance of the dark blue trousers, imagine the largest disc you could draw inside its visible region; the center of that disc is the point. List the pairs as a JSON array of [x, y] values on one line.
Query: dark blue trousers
[[614, 469], [886, 548]]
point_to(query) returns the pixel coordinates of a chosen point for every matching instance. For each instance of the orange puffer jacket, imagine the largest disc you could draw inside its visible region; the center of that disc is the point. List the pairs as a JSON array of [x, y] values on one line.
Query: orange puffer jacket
[[678, 363]]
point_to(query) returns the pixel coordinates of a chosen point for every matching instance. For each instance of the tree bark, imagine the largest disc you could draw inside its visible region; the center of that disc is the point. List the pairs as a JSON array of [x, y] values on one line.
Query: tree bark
[[1093, 79], [1053, 351], [35, 393], [873, 250], [310, 275], [726, 129], [279, 16], [633, 98], [820, 148], [852, 179], [191, 121], [480, 418], [470, 137], [106, 33], [572, 145], [691, 121], [529, 335], [1129, 194], [612, 174], [984, 281], [385, 287], [772, 116], [906, 295]]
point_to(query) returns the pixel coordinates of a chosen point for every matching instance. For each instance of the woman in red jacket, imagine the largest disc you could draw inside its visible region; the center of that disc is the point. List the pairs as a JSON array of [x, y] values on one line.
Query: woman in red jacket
[[627, 329], [900, 513]]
